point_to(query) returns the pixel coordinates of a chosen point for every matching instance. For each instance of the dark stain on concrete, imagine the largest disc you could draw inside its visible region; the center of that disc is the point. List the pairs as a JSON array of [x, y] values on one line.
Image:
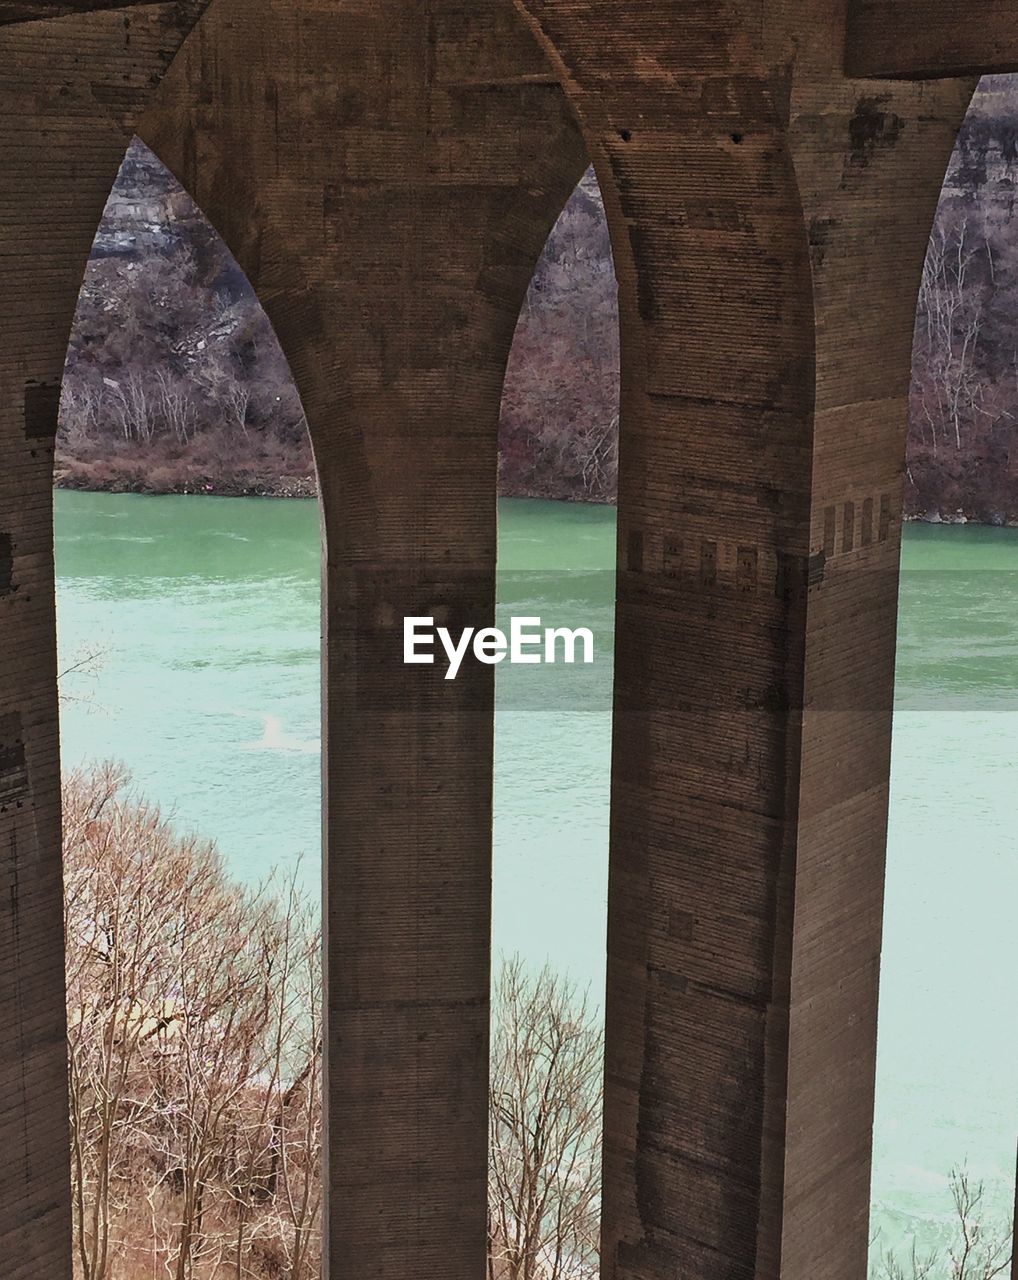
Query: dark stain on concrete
[[6, 565], [872, 128], [634, 557], [644, 261], [792, 577], [819, 238], [747, 569], [42, 407], [13, 766]]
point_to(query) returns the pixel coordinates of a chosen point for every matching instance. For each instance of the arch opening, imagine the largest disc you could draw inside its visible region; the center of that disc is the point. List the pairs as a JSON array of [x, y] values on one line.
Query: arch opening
[[113, 462], [189, 633], [945, 1103], [558, 450]]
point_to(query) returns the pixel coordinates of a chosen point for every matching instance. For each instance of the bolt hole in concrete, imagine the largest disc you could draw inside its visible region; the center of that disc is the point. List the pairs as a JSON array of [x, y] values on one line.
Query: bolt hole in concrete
[[188, 630]]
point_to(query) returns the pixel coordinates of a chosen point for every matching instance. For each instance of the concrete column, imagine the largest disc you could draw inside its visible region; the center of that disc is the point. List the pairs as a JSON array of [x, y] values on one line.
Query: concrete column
[[870, 160], [67, 88], [387, 175], [769, 221]]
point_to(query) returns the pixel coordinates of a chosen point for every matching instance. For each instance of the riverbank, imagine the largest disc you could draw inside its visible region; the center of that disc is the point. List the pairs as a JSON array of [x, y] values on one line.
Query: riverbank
[[995, 520], [225, 467], [191, 485], [235, 463], [192, 482], [136, 475], [192, 474]]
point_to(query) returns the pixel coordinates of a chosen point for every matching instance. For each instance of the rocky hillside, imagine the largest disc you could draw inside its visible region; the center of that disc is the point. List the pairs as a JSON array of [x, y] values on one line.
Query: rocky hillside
[[175, 382], [963, 446], [174, 379]]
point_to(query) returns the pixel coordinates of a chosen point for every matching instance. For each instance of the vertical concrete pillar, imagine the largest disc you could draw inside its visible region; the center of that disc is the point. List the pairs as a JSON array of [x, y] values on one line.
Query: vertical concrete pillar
[[67, 87], [387, 174], [686, 128], [769, 220], [870, 161]]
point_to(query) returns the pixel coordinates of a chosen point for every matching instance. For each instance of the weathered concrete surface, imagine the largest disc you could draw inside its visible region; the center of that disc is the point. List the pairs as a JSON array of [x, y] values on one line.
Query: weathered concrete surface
[[387, 176], [769, 220], [65, 91], [870, 161], [12, 11], [908, 39], [386, 173]]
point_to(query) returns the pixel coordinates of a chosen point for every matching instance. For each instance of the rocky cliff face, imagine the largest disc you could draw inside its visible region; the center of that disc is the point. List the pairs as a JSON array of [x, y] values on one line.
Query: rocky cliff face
[[963, 447], [175, 381]]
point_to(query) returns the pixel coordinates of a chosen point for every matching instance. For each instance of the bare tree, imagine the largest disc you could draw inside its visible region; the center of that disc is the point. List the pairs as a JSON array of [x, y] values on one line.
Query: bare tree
[[274, 1149], [545, 1122], [86, 662], [194, 1041], [81, 410], [956, 277], [195, 1037], [297, 1147], [123, 873], [129, 401], [977, 1252], [176, 406]]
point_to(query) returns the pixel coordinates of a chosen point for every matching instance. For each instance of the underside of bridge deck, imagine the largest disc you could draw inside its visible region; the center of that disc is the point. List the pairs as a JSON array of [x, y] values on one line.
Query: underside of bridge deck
[[927, 39], [386, 173]]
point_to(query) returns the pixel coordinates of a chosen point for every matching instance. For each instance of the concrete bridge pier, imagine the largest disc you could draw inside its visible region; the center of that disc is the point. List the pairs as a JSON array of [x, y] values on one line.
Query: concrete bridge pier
[[769, 217], [387, 176], [68, 95]]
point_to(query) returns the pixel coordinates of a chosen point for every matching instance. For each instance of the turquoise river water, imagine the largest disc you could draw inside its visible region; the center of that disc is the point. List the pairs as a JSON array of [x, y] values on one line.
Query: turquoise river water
[[200, 617]]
